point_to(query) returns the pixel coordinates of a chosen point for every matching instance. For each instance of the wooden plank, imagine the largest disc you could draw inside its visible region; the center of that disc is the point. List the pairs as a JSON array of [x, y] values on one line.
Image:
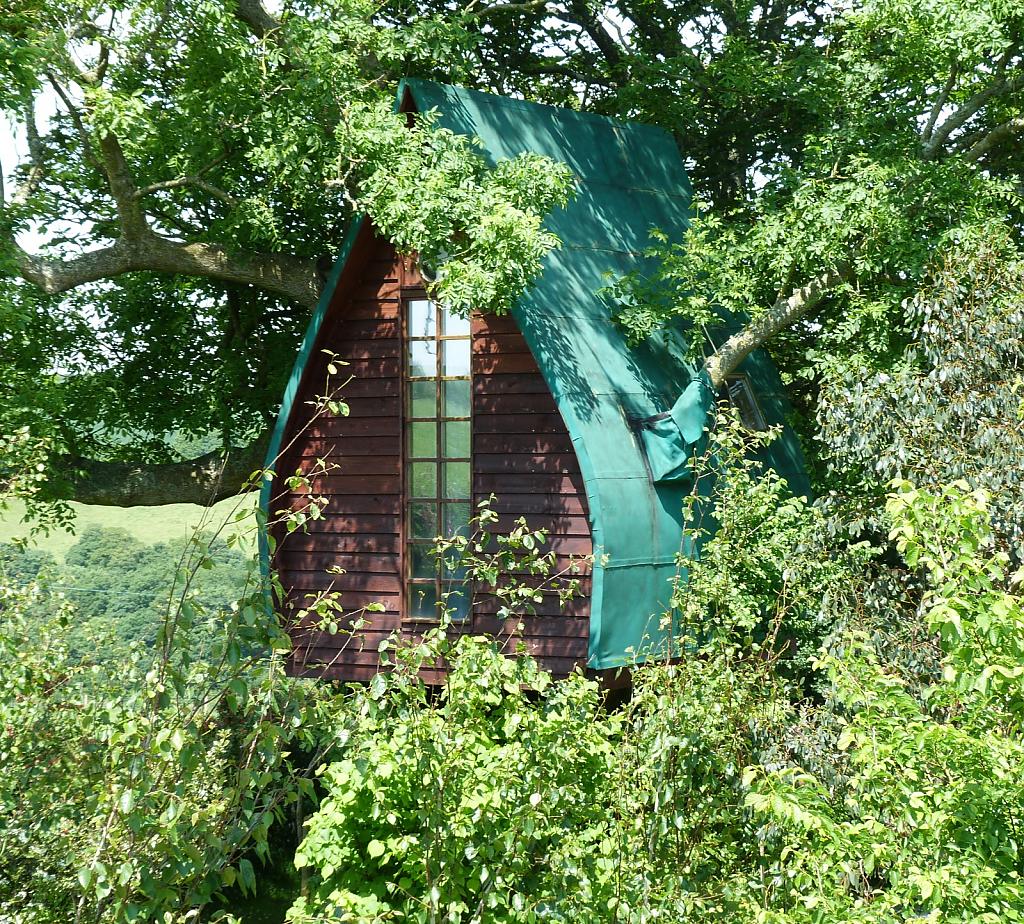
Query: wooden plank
[[362, 329], [519, 423], [355, 465], [370, 388], [543, 648], [550, 606], [342, 448], [376, 288], [518, 483], [504, 364], [566, 568], [376, 504], [534, 626], [528, 504], [371, 405], [363, 484], [384, 264], [327, 543], [347, 504], [522, 383], [557, 526], [378, 627], [344, 504], [494, 324], [349, 582], [337, 427], [354, 350], [521, 442], [515, 578], [564, 547], [305, 582], [376, 368], [555, 462], [361, 309], [514, 404], [301, 599], [499, 343], [381, 624], [358, 523], [294, 559]]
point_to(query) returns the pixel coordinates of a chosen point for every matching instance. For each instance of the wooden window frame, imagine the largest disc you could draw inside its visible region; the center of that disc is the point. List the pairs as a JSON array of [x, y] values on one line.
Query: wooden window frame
[[751, 415], [440, 583]]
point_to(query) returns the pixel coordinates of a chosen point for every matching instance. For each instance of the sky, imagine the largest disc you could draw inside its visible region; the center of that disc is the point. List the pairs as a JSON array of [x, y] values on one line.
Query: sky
[[14, 150]]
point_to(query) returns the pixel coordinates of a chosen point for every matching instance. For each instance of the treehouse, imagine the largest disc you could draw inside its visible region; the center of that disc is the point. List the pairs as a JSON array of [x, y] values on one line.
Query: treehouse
[[547, 408]]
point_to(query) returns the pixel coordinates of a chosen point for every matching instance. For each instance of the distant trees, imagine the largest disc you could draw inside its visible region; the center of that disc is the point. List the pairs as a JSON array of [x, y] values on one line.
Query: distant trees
[[122, 588]]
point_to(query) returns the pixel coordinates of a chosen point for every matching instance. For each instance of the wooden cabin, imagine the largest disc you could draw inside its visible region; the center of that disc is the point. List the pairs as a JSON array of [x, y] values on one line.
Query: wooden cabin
[[546, 408]]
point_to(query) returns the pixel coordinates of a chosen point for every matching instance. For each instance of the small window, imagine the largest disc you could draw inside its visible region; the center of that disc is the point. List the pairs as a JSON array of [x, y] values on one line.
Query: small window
[[438, 439], [741, 396]]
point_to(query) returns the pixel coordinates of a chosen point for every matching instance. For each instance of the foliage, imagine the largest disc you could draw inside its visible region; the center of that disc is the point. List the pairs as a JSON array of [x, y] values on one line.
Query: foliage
[[927, 823], [259, 146], [719, 792], [477, 232], [477, 805], [763, 576], [950, 408], [855, 140], [122, 589], [145, 785], [910, 149]]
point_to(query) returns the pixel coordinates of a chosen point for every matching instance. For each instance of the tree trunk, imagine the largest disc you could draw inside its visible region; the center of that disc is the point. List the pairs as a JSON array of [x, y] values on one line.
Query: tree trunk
[[784, 313]]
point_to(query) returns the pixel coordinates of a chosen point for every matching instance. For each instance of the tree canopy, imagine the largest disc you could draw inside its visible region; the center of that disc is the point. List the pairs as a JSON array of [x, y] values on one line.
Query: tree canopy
[[193, 167]]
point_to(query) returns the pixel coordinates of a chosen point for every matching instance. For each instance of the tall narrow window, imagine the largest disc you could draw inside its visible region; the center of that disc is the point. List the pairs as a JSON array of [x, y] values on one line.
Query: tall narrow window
[[438, 474]]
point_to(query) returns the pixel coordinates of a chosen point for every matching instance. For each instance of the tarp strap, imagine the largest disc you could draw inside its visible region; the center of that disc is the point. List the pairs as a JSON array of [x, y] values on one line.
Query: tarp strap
[[669, 439]]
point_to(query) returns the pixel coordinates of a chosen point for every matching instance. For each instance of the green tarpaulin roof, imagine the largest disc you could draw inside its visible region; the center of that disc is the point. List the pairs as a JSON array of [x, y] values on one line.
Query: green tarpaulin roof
[[631, 179]]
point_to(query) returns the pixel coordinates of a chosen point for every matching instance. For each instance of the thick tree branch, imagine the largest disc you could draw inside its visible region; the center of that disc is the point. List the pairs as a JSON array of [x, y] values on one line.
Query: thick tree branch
[[785, 312], [36, 156], [1000, 87], [940, 102], [585, 18], [205, 480], [508, 8], [293, 278], [1001, 133], [138, 248], [122, 187], [256, 16], [54, 275], [195, 182], [76, 117], [37, 163], [94, 76]]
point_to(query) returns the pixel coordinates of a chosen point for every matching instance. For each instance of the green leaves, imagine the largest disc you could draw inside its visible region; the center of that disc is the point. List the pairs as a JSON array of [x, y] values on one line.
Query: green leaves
[[165, 767], [477, 232], [479, 805]]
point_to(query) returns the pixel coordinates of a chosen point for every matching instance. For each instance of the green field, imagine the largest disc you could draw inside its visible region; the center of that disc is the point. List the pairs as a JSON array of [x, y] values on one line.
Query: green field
[[147, 524]]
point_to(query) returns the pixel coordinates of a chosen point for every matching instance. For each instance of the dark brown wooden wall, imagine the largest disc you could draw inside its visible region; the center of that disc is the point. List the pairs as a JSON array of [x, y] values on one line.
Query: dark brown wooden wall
[[522, 454]]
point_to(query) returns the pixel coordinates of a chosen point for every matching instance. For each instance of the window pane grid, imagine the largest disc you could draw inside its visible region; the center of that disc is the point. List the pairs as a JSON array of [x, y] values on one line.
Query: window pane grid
[[438, 470]]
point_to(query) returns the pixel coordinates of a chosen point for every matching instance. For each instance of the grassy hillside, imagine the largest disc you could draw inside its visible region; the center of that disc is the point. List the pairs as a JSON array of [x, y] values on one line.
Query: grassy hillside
[[147, 524]]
